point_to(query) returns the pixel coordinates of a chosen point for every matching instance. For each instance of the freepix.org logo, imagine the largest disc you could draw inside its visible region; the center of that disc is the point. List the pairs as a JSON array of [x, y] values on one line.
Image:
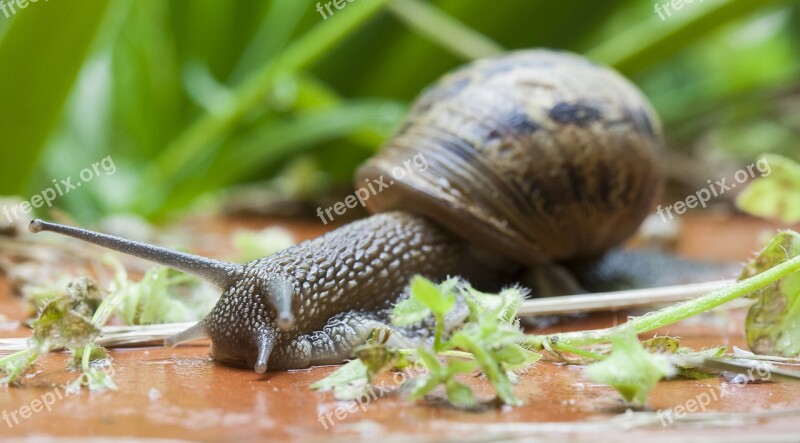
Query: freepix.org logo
[[59, 189]]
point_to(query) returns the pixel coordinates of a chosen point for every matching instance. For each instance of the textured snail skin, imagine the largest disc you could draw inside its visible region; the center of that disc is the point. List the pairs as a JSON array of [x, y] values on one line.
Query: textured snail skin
[[535, 157], [343, 285]]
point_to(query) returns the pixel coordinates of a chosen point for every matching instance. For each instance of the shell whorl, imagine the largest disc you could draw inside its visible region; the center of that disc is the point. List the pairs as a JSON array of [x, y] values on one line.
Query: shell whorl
[[540, 155]]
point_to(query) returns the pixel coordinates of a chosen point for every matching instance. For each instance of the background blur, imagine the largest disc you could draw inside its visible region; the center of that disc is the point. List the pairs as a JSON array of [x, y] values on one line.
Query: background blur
[[205, 104]]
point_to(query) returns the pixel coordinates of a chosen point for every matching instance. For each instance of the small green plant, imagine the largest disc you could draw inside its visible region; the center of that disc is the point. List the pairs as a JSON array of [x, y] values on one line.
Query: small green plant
[[488, 340], [631, 369], [66, 321], [72, 319], [772, 278]]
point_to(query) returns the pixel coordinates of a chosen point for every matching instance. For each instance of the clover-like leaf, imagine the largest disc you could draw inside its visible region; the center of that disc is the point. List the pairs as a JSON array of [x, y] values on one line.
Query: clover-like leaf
[[630, 369]]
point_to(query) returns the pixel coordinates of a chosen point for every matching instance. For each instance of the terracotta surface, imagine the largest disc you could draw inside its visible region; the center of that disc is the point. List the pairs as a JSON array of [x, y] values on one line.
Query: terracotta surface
[[183, 395]]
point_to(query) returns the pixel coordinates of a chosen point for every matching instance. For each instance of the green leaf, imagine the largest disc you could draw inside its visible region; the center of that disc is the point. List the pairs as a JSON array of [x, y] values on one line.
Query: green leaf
[[161, 296], [34, 88], [431, 362], [98, 357], [375, 354], [253, 245], [631, 370], [772, 325], [16, 364], [459, 394], [774, 195], [690, 363], [456, 366], [421, 386], [64, 321], [95, 379], [409, 311], [61, 325], [503, 306], [490, 367], [348, 382], [273, 34], [430, 295], [672, 314], [662, 345], [513, 356]]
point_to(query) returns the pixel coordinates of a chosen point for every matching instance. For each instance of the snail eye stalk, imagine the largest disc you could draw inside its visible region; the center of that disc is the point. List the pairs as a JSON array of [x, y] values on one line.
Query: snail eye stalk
[[220, 274]]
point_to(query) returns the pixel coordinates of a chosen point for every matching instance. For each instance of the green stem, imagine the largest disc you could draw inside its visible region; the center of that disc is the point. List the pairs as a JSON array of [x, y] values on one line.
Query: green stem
[[87, 351], [13, 369], [13, 356], [451, 353], [437, 339], [451, 34], [578, 351], [671, 314], [460, 354]]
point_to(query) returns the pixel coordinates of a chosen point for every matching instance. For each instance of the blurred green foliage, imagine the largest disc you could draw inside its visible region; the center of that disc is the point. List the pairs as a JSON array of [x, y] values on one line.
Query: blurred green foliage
[[193, 96]]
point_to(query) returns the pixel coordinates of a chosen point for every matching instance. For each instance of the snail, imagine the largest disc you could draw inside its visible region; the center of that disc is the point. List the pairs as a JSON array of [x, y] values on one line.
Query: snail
[[535, 157]]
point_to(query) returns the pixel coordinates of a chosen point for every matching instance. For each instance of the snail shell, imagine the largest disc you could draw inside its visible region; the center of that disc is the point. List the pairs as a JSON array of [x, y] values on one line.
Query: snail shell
[[537, 155]]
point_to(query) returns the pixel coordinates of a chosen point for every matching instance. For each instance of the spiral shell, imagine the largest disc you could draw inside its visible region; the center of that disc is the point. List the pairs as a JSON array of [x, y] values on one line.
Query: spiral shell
[[538, 155]]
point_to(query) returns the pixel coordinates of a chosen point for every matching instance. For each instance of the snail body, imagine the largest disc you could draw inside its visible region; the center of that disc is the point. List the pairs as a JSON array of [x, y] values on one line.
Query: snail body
[[534, 157]]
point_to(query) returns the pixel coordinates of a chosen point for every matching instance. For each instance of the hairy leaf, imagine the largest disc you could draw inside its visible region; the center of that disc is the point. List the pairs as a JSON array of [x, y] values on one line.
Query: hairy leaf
[[630, 369], [62, 324], [347, 382], [427, 293], [16, 364], [772, 325]]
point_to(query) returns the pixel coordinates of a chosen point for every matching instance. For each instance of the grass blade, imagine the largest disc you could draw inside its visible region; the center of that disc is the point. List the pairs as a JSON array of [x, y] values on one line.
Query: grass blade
[[451, 34], [41, 54], [656, 40]]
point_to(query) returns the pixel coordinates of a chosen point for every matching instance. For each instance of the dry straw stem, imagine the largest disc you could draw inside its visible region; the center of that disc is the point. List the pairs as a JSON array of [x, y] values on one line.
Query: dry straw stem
[[609, 301], [113, 336]]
